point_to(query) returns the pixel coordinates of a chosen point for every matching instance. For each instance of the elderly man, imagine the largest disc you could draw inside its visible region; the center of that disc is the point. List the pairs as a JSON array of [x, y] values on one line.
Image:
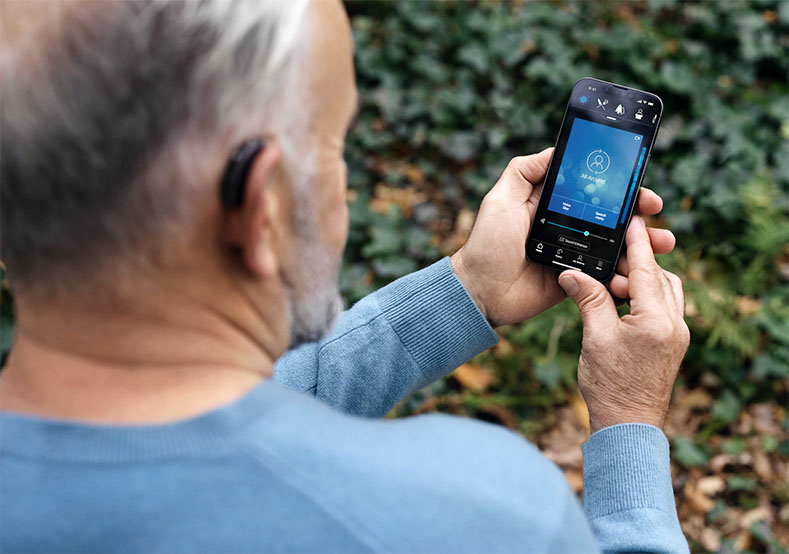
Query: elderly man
[[161, 273]]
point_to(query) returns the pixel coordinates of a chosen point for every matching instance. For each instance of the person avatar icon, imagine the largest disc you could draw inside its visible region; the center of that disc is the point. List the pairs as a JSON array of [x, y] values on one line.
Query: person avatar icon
[[598, 161]]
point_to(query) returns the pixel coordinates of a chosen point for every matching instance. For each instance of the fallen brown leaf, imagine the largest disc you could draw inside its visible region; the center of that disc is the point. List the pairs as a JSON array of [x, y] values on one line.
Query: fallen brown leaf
[[745, 424], [697, 500], [765, 421], [720, 461], [413, 173], [562, 444], [692, 525], [575, 479], [747, 305], [580, 409], [474, 377], [694, 399], [503, 348], [710, 539], [762, 513], [745, 459], [762, 466], [387, 197], [742, 541], [711, 485], [500, 414], [463, 224]]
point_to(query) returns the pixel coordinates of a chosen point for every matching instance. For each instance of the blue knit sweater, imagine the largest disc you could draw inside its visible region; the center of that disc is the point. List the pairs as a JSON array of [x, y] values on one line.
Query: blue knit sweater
[[302, 463]]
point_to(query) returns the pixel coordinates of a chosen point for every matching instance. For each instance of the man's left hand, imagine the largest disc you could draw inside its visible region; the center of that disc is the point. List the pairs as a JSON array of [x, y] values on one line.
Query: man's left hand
[[492, 265]]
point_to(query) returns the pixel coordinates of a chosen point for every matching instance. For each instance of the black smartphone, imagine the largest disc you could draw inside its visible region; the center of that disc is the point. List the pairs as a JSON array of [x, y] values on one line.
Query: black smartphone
[[592, 182]]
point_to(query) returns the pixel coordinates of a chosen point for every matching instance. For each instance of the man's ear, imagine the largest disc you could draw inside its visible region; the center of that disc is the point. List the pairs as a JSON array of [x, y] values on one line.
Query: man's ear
[[248, 227]]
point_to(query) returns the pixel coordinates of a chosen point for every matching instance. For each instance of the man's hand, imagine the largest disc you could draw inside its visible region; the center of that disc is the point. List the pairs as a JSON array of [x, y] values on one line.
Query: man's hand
[[492, 265], [628, 365]]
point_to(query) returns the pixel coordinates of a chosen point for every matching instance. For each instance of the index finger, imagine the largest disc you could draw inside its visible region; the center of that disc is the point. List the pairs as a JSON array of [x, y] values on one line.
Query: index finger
[[649, 202]]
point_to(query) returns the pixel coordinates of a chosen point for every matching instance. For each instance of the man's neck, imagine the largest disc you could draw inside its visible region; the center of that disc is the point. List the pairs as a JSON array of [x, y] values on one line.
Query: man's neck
[[138, 365]]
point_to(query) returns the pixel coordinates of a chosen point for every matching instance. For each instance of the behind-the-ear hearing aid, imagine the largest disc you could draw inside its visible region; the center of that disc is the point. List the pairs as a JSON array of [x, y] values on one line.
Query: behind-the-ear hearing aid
[[235, 178]]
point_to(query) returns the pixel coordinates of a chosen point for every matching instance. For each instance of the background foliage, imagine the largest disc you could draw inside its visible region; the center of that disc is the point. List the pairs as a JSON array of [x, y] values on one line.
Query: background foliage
[[451, 91]]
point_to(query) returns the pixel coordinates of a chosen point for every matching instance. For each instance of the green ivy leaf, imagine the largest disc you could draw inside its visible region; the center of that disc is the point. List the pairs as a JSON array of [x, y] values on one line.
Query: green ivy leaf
[[687, 453]]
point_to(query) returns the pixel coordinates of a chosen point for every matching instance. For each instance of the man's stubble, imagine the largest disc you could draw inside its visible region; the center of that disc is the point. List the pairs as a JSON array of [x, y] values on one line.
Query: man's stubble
[[311, 272]]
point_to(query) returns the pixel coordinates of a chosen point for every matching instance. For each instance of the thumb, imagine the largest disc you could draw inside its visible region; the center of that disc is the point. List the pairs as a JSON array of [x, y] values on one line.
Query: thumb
[[593, 300]]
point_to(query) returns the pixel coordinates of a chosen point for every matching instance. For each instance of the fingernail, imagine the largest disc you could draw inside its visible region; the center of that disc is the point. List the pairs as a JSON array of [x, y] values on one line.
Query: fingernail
[[569, 283]]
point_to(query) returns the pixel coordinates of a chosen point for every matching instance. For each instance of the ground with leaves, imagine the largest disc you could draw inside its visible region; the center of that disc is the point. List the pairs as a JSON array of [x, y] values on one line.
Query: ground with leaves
[[451, 91]]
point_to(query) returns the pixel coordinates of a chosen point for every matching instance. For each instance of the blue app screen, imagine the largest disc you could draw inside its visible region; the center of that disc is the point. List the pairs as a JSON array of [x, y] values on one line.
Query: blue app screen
[[595, 173]]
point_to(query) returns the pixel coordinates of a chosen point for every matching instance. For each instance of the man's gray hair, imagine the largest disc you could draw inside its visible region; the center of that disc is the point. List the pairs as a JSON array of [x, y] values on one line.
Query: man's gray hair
[[108, 113]]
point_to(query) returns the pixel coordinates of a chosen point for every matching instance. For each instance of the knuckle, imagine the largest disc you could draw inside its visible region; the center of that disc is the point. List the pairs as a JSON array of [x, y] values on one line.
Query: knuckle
[[674, 281], [514, 165], [684, 334], [644, 272], [493, 200], [595, 300], [517, 161], [594, 345], [521, 167], [662, 330], [655, 271]]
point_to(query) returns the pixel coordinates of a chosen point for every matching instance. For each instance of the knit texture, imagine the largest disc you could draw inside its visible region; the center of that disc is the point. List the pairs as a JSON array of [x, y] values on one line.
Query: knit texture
[[436, 337], [291, 467]]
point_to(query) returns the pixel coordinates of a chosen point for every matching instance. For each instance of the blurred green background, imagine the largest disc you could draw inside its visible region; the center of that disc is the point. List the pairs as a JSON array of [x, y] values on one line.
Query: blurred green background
[[450, 91]]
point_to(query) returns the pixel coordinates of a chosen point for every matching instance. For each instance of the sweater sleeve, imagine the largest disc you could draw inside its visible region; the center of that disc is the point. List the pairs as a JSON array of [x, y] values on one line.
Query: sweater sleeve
[[628, 497], [392, 342]]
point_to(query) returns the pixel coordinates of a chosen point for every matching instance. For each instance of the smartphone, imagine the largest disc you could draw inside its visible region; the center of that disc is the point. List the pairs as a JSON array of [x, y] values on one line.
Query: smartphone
[[593, 180]]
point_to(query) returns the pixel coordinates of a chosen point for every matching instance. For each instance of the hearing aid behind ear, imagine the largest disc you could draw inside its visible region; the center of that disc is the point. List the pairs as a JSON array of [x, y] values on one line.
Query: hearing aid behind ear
[[235, 177]]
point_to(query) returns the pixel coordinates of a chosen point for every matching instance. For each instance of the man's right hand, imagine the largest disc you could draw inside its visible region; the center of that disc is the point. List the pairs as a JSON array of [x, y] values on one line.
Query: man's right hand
[[628, 365]]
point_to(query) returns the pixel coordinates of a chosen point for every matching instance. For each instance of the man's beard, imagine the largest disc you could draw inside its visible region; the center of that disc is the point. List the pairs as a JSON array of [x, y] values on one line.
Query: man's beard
[[311, 283], [311, 272]]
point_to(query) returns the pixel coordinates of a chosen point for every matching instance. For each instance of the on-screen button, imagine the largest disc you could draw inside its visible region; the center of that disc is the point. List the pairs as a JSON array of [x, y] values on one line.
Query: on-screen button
[[575, 243]]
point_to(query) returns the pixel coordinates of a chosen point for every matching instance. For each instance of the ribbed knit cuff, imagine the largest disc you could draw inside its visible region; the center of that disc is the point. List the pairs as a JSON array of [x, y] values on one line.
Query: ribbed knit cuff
[[625, 467], [436, 319]]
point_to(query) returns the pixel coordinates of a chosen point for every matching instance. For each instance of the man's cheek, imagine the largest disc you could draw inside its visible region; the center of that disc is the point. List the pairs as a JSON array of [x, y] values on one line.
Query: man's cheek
[[337, 225]]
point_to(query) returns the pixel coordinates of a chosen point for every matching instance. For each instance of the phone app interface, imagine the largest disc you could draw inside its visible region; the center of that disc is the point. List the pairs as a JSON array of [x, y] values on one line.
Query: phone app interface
[[595, 173]]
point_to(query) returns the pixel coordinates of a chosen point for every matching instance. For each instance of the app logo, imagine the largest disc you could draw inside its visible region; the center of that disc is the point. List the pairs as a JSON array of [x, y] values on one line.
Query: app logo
[[601, 104], [639, 114], [620, 110], [598, 161], [583, 99]]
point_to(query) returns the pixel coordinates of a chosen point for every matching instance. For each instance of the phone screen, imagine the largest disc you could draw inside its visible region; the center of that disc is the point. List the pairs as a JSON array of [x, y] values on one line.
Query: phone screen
[[593, 180]]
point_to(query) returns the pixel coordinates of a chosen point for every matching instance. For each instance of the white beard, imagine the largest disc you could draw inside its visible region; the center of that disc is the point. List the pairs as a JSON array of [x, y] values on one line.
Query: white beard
[[311, 272], [314, 299]]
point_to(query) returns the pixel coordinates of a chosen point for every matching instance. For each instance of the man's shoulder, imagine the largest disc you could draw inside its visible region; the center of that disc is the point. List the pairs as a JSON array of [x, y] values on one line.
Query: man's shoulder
[[280, 470], [427, 478], [420, 443]]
